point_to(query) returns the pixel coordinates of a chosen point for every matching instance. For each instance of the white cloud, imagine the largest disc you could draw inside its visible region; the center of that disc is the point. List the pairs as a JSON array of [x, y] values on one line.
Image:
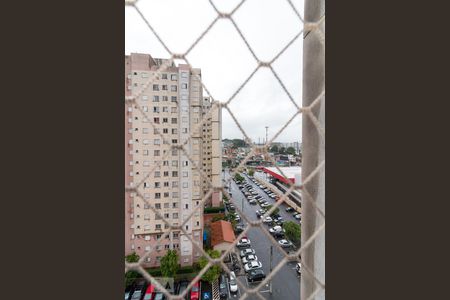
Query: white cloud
[[268, 26]]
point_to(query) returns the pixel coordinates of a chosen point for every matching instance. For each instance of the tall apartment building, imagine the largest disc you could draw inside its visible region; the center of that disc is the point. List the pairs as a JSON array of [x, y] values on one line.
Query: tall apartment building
[[173, 104], [212, 153]]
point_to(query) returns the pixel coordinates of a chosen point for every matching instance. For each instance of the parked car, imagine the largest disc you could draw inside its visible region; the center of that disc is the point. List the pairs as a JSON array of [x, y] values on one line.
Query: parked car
[[252, 201], [289, 209], [278, 234], [258, 197], [239, 228], [254, 193], [237, 218], [159, 296], [247, 251], [243, 243], [277, 218], [195, 291], [128, 292], [265, 204], [139, 289], [275, 229], [149, 292], [258, 214], [284, 243], [256, 275], [232, 282], [298, 268], [252, 265], [298, 216], [182, 286], [223, 291], [249, 258]]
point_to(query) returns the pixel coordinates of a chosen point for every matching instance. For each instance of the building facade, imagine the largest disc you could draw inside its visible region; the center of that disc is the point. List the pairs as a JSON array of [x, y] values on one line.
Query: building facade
[[166, 113]]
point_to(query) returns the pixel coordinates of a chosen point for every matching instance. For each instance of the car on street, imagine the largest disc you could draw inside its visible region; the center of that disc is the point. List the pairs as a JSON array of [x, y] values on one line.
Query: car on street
[[232, 283], [256, 275], [252, 265], [284, 243], [182, 286], [239, 228], [249, 258], [275, 229], [278, 235], [243, 243], [139, 289], [232, 208], [159, 296], [195, 291], [149, 292], [289, 209], [223, 291], [298, 268], [246, 252], [128, 292]]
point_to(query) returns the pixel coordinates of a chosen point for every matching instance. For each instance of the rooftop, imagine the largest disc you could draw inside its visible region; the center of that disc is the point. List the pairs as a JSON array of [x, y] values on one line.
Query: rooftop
[[221, 231], [289, 172]]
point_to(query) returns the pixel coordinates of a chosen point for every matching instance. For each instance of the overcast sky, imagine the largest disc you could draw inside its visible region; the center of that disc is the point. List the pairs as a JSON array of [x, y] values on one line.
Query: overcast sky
[[224, 59]]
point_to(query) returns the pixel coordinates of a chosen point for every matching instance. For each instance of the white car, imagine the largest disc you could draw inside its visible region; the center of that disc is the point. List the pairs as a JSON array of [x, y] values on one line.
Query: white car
[[277, 228], [247, 251], [298, 216], [244, 242], [284, 243], [252, 265], [249, 258], [232, 282], [265, 204], [267, 220], [252, 201], [298, 268]]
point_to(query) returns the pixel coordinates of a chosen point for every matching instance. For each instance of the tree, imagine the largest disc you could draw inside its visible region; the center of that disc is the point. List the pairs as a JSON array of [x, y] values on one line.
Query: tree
[[251, 172], [274, 149], [275, 211], [290, 150], [238, 177], [292, 231], [214, 271], [282, 150], [131, 276], [169, 264]]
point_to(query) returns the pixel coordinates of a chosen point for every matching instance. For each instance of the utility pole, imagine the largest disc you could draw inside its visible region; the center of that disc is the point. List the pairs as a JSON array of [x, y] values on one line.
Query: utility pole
[[267, 128], [271, 254]]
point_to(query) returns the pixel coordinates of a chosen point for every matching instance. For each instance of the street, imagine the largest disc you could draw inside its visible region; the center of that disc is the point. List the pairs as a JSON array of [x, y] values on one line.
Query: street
[[285, 283]]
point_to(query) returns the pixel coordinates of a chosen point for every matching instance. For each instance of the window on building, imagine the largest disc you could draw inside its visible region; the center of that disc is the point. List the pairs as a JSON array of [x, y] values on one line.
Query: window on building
[[165, 120], [185, 174], [156, 87], [175, 195], [165, 109], [165, 98], [185, 184], [185, 130], [158, 196], [164, 87], [173, 77], [144, 98], [174, 152], [166, 194], [174, 141], [166, 173], [173, 98], [174, 173], [157, 174], [156, 142], [173, 110], [156, 120], [174, 183], [155, 109], [173, 88], [156, 152], [174, 120], [158, 226], [157, 185], [174, 204], [145, 152], [155, 98], [184, 86]]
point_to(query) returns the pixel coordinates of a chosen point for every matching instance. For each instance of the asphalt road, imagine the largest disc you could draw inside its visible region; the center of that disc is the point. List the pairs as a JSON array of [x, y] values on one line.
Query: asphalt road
[[286, 283]]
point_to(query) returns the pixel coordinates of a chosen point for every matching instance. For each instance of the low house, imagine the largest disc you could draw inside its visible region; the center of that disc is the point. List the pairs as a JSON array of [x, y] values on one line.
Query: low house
[[222, 235]]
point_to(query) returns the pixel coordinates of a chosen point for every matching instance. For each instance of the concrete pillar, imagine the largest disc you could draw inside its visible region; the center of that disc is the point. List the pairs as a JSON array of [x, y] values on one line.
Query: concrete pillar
[[313, 151]]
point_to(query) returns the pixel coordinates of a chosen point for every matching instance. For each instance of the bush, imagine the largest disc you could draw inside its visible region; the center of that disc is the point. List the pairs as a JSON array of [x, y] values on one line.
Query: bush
[[212, 210], [292, 230]]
